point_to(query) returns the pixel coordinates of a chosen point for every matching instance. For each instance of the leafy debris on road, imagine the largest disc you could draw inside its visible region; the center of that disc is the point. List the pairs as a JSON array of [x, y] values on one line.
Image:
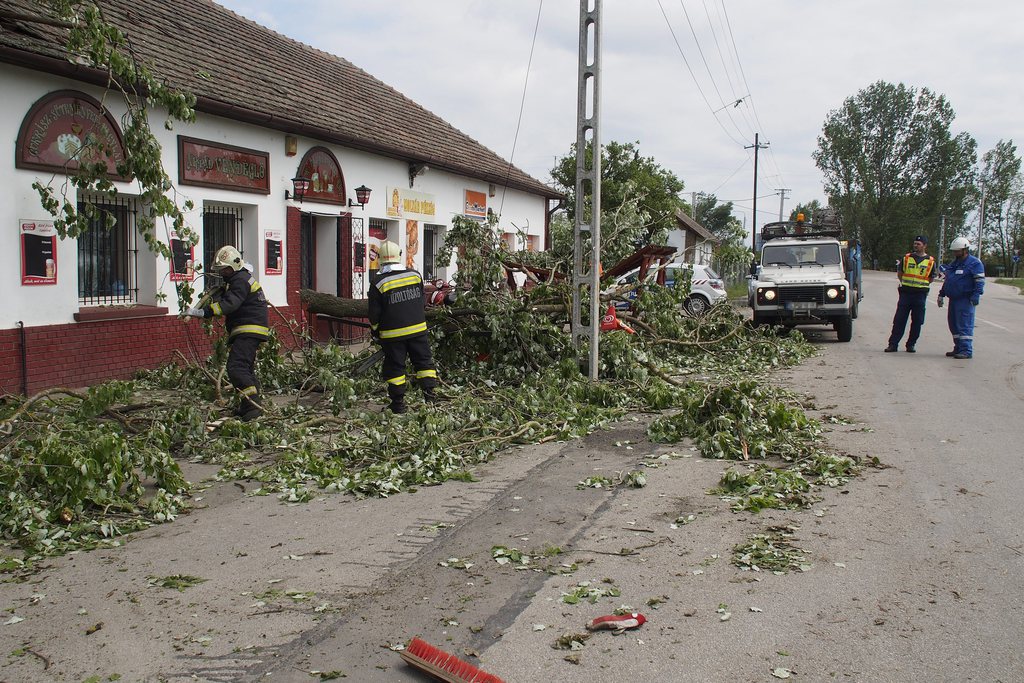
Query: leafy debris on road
[[772, 551]]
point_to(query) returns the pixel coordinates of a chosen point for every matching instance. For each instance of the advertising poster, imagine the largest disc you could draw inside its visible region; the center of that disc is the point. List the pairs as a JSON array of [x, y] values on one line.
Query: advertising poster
[[358, 257], [38, 252], [274, 252], [377, 235], [476, 205], [412, 243], [182, 259]]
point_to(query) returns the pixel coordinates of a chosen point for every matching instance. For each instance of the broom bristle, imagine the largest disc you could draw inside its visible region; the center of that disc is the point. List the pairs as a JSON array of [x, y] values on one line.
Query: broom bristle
[[436, 661]]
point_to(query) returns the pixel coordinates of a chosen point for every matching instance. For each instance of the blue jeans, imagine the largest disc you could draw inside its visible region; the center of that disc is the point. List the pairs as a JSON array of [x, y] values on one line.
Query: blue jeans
[[911, 305]]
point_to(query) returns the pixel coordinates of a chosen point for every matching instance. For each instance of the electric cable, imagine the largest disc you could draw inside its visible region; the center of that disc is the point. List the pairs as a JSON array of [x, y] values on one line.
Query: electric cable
[[522, 105]]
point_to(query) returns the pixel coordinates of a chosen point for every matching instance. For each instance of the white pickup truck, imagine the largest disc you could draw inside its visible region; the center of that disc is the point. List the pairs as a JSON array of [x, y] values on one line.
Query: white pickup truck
[[807, 276]]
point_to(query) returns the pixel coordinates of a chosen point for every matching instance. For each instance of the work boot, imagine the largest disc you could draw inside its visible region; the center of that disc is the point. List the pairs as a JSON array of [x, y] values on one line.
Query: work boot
[[961, 356], [397, 407], [950, 354], [251, 413], [891, 349], [911, 349], [430, 396]]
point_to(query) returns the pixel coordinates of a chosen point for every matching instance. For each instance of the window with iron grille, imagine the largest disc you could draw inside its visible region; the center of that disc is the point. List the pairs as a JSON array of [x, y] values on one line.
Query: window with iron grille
[[108, 255], [222, 225]]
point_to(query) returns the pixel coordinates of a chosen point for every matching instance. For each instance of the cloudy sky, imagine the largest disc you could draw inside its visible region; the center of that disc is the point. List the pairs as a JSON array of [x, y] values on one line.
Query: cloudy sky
[[672, 71]]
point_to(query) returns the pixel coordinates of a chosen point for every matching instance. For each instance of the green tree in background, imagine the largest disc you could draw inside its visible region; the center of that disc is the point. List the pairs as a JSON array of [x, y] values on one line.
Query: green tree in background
[[808, 210], [639, 199], [716, 216], [892, 167], [1000, 174]]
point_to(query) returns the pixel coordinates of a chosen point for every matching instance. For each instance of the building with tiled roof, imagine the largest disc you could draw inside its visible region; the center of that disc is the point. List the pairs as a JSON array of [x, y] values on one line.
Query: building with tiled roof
[[269, 109]]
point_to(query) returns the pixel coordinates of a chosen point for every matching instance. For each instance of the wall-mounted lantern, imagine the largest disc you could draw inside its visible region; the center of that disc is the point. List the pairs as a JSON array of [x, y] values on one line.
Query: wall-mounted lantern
[[362, 197], [299, 187]]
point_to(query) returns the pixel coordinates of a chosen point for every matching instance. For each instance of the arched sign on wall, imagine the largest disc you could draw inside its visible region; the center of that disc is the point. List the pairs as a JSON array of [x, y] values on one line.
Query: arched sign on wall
[[65, 128], [326, 182]]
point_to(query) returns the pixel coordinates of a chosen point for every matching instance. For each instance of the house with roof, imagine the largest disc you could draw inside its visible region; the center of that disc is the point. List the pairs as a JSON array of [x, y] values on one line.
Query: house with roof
[[297, 157], [692, 241]]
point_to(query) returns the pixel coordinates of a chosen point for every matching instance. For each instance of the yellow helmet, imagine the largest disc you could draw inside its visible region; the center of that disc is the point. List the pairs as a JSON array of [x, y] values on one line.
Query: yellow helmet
[[389, 252], [228, 257]]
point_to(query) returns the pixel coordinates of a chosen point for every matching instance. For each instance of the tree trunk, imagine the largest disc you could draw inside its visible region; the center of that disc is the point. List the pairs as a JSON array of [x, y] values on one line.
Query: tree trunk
[[328, 304]]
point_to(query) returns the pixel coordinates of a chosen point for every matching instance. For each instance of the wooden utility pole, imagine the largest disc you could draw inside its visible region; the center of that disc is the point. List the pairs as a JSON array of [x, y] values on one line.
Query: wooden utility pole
[[753, 230]]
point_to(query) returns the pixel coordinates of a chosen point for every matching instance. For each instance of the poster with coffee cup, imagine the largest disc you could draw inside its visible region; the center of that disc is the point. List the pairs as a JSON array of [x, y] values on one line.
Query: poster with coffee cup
[[38, 252]]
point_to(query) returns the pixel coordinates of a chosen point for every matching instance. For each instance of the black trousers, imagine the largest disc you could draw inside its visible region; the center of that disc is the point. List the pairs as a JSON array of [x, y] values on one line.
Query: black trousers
[[242, 364], [415, 349], [911, 305]]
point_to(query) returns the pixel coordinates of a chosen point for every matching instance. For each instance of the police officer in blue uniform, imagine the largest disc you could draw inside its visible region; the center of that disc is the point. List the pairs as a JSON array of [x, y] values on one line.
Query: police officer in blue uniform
[[964, 285], [916, 272]]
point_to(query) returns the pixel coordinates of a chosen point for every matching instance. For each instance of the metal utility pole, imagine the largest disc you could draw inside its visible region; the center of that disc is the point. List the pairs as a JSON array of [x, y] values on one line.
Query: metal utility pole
[[782, 199], [587, 244], [981, 219], [942, 238], [753, 231]]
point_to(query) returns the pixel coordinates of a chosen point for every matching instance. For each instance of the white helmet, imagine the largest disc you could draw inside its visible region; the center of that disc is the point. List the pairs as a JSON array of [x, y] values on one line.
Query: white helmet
[[228, 257], [389, 252], [960, 243]]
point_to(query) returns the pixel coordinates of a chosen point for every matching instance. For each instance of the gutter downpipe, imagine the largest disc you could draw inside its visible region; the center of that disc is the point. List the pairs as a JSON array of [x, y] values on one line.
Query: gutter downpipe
[[24, 358]]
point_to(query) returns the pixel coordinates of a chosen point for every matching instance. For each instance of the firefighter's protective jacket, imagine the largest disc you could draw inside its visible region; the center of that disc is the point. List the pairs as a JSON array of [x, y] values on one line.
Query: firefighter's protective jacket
[[396, 304], [243, 305]]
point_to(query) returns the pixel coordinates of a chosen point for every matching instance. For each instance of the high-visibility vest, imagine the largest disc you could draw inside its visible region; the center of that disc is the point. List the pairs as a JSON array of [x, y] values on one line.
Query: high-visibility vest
[[916, 273]]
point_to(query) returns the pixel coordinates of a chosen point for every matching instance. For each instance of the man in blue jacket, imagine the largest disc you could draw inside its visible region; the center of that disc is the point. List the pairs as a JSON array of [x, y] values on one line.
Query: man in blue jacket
[[964, 285]]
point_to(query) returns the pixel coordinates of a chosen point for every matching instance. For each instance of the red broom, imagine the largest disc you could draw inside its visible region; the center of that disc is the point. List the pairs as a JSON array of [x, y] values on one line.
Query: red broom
[[444, 666]]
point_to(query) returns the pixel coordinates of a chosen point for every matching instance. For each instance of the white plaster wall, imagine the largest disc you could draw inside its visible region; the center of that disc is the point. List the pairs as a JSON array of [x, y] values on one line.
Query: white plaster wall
[[56, 304]]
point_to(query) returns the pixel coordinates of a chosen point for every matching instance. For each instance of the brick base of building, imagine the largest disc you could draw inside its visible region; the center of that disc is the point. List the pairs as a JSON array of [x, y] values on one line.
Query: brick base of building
[[84, 353]]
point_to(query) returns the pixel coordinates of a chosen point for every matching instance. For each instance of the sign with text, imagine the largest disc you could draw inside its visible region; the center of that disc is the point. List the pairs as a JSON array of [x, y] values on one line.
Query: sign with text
[[418, 206], [66, 128], [38, 252], [476, 205], [213, 164], [274, 252], [182, 259]]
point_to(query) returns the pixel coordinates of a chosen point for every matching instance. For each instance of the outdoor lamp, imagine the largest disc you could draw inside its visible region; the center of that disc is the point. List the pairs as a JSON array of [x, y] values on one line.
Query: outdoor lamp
[[362, 196], [299, 187]]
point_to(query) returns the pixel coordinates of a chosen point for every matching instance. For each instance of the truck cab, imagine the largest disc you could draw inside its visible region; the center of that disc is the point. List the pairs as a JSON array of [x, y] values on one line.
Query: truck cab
[[807, 276]]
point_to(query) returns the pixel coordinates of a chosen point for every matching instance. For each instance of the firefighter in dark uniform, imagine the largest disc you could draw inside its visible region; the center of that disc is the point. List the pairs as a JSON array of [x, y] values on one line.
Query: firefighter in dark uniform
[[399, 323], [244, 306]]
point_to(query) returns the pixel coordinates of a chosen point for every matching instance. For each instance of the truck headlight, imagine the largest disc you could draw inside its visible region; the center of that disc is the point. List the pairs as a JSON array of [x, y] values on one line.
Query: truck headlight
[[765, 295], [831, 292], [769, 295]]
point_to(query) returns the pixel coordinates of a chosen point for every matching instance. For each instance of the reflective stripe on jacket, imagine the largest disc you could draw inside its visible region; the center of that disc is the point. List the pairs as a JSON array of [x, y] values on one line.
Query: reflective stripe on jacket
[[243, 305], [396, 303], [915, 273]]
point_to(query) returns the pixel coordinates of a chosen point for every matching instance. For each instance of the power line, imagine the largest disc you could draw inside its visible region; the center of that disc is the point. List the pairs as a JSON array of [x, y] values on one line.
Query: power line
[[694, 77], [522, 105]]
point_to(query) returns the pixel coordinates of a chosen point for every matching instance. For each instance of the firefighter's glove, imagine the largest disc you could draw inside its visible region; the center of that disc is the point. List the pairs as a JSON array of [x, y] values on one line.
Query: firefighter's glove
[[975, 300], [195, 313]]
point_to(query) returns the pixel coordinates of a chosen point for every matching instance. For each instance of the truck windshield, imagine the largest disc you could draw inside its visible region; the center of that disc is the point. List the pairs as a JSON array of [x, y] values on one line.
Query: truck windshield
[[801, 255]]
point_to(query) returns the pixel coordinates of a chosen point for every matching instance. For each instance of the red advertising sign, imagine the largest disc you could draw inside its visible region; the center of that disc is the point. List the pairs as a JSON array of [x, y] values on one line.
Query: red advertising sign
[[38, 252], [182, 259], [65, 128], [326, 183], [476, 205], [212, 164], [273, 252]]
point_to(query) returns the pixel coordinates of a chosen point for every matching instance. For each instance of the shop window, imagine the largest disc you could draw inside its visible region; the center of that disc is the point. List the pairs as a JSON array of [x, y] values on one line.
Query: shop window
[[433, 242], [222, 225], [108, 255]]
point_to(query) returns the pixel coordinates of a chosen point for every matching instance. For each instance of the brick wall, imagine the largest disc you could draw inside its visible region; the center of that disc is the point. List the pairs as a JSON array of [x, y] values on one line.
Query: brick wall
[[84, 353]]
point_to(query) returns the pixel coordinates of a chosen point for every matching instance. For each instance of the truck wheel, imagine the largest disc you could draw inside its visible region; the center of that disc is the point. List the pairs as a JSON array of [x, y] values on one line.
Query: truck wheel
[[696, 305], [844, 328]]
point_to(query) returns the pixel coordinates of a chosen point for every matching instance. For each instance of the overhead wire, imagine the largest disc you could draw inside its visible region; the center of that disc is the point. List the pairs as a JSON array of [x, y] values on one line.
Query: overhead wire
[[693, 76], [707, 68], [522, 106]]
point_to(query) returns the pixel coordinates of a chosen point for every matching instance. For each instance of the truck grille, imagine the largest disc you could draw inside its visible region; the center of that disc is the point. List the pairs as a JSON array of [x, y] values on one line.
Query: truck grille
[[813, 293]]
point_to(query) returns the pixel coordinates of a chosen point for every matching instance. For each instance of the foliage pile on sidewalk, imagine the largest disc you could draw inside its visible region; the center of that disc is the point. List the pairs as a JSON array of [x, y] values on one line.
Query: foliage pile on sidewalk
[[72, 464]]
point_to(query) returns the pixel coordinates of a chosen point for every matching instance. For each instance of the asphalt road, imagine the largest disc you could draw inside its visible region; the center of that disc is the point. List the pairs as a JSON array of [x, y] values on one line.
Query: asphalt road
[[914, 568]]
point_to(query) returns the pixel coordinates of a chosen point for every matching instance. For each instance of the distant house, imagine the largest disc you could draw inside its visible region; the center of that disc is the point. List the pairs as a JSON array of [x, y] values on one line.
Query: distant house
[[269, 109], [693, 242]]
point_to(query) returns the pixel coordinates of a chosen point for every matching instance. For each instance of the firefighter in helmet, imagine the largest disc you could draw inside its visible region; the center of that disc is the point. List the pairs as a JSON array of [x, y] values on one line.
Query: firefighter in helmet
[[242, 303], [399, 323]]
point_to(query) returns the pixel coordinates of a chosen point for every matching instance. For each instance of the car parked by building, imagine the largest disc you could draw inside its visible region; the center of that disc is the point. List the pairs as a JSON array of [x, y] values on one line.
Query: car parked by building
[[706, 287]]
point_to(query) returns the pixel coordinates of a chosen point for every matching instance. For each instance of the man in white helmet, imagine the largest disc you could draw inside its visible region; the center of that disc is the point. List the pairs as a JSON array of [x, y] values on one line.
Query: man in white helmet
[[964, 285], [244, 307], [398, 321]]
